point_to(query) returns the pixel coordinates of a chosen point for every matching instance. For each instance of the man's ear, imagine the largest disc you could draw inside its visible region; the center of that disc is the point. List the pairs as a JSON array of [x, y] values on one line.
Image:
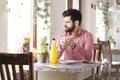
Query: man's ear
[[76, 23]]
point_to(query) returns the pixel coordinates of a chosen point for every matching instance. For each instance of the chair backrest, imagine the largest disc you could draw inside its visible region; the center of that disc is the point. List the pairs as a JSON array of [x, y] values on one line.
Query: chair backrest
[[97, 56], [97, 52], [106, 50], [9, 62]]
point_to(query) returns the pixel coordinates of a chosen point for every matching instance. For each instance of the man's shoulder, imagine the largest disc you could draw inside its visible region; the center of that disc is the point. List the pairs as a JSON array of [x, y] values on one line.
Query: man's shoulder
[[86, 32]]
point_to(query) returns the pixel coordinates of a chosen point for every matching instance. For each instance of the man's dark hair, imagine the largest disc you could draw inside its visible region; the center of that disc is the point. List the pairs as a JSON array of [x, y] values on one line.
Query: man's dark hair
[[75, 15]]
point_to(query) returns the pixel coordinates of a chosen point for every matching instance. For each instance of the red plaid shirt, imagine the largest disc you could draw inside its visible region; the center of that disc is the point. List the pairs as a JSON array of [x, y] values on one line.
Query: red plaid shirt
[[83, 49]]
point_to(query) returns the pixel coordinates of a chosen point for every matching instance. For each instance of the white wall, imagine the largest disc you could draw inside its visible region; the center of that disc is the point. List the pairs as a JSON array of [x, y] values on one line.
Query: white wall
[[86, 12], [88, 17], [57, 7], [3, 26]]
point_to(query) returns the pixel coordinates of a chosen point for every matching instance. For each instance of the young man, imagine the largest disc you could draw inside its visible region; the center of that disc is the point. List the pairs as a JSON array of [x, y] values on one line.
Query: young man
[[74, 42]]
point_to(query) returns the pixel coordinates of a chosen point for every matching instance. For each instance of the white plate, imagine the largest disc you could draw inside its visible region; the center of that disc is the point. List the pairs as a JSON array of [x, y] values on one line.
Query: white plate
[[69, 61]]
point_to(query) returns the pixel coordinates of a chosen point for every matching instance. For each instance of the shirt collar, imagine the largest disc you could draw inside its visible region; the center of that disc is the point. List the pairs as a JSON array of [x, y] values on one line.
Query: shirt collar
[[78, 32]]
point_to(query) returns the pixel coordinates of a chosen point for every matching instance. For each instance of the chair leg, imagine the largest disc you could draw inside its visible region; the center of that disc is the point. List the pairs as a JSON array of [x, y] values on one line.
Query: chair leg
[[117, 78], [93, 74], [36, 75], [92, 77]]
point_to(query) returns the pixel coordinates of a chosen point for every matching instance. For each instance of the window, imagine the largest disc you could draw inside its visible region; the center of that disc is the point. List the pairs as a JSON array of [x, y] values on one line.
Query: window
[[19, 23], [27, 18], [102, 20], [43, 21]]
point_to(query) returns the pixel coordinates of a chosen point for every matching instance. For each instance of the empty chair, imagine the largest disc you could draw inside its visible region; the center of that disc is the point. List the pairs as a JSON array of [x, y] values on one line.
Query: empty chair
[[107, 56], [96, 58], [12, 66], [97, 52]]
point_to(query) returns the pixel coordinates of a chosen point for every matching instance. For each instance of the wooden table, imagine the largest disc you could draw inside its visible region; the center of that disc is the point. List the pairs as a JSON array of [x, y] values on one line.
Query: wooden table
[[78, 71]]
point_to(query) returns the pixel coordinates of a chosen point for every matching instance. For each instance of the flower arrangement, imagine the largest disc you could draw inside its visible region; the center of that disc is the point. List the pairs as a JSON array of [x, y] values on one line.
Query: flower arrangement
[[26, 43]]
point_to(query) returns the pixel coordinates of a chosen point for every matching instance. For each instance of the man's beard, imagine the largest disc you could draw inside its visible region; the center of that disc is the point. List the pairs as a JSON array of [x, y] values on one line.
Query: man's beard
[[70, 29]]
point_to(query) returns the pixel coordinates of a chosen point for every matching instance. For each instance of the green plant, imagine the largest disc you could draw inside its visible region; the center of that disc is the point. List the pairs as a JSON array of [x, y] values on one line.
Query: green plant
[[43, 12], [43, 44], [103, 6]]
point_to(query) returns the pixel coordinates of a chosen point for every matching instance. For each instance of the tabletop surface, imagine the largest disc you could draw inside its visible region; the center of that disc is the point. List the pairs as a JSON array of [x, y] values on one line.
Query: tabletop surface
[[76, 67]]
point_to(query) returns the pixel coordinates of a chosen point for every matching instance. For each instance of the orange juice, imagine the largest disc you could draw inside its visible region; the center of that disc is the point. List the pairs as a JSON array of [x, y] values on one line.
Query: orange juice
[[53, 53]]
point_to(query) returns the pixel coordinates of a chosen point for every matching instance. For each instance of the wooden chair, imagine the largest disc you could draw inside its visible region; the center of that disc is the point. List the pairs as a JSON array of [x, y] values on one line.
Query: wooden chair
[[96, 58], [97, 52], [106, 53], [9, 62]]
